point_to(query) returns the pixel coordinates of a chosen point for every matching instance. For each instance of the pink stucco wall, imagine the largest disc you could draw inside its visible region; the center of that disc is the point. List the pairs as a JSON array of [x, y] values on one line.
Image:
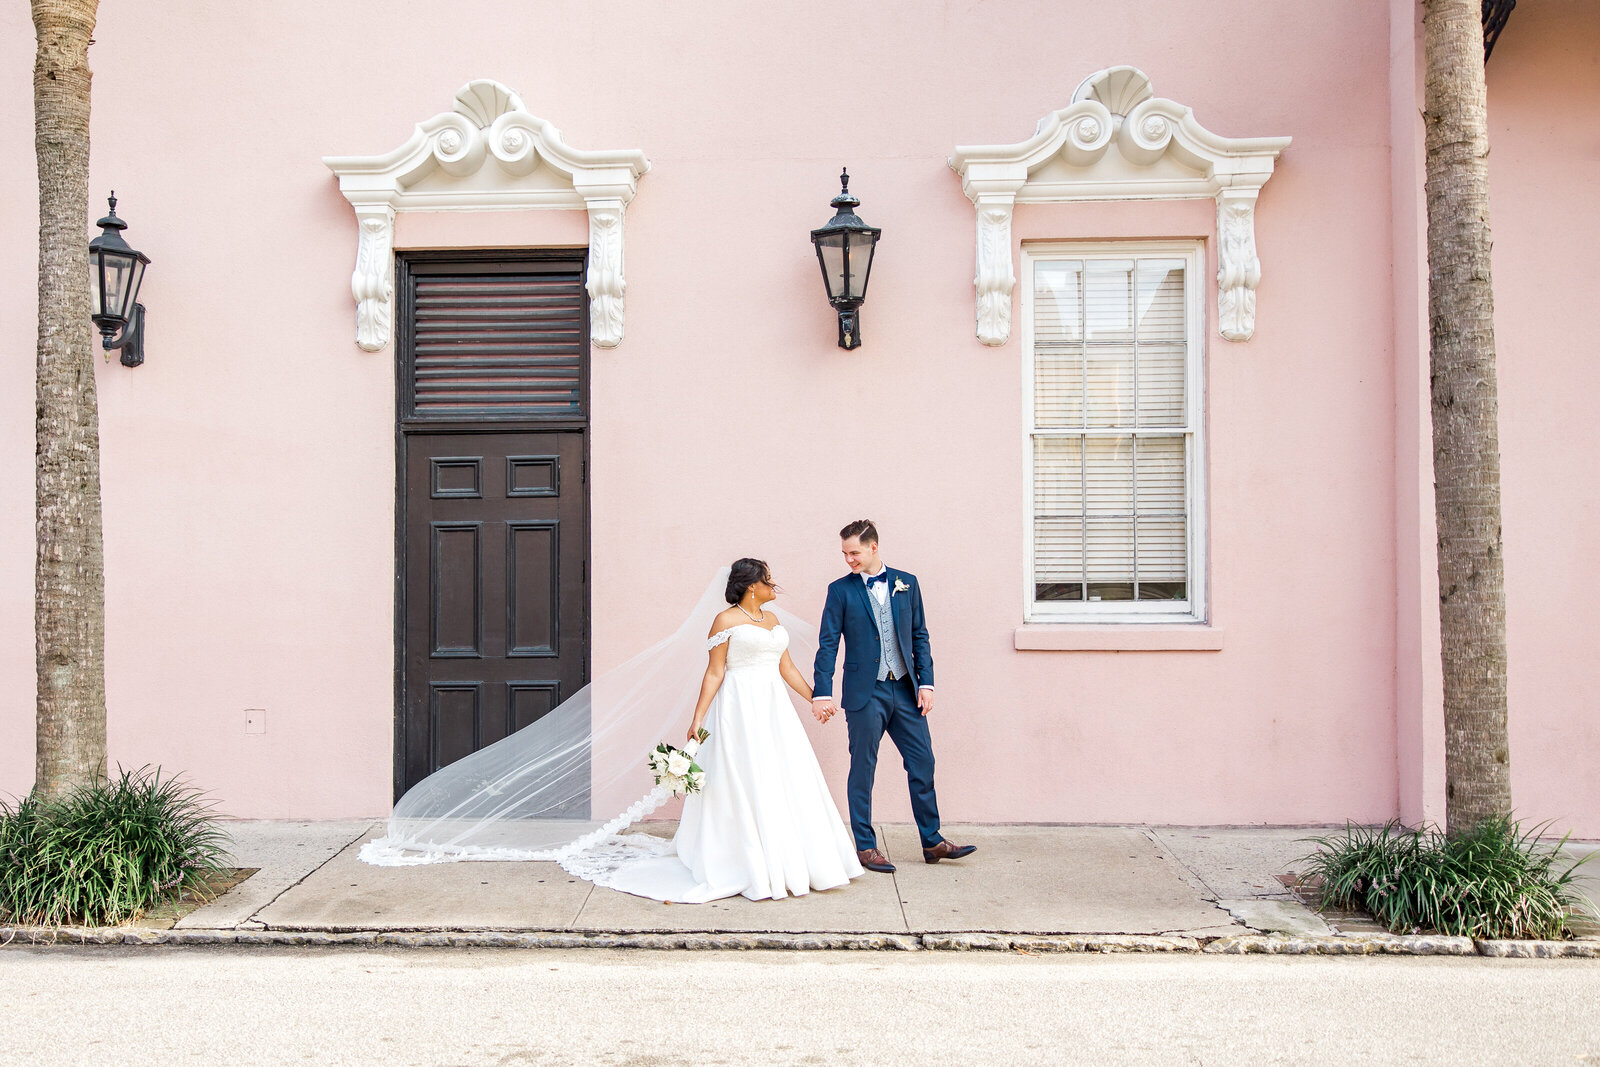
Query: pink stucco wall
[[19, 236], [1544, 81], [1419, 685], [249, 468]]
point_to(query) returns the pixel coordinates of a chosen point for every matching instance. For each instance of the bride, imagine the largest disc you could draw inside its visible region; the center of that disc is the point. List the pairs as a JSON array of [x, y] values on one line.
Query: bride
[[764, 825]]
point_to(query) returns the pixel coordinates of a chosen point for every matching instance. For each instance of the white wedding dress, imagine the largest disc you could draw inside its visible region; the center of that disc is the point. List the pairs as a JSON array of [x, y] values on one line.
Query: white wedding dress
[[764, 824]]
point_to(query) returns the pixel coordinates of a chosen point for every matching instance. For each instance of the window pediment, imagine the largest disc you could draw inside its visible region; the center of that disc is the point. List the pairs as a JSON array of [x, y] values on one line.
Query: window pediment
[[1117, 140]]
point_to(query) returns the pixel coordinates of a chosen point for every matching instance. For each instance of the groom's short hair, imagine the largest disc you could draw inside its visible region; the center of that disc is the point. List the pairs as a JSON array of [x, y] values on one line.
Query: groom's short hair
[[862, 530]]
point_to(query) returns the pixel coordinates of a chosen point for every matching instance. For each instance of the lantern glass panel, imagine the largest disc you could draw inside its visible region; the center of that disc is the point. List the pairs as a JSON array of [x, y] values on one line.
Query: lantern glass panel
[[116, 273], [135, 279], [831, 249], [860, 263]]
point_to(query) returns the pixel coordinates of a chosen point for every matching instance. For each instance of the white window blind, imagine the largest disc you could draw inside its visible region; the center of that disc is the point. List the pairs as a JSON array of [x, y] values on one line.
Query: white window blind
[[1111, 343]]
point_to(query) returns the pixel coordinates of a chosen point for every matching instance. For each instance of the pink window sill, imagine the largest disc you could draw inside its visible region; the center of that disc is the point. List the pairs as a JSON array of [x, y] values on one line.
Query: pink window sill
[[1115, 637]]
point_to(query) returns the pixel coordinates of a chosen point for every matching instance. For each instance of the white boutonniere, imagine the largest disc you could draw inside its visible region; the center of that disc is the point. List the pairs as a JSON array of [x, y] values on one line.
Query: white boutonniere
[[901, 587]]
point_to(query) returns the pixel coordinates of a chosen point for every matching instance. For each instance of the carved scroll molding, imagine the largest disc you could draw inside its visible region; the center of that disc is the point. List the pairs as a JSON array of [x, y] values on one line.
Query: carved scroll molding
[[488, 153], [1117, 140], [605, 282], [995, 279]]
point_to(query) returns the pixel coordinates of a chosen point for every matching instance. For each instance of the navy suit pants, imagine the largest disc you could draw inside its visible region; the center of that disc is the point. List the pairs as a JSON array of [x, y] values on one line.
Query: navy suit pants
[[892, 709]]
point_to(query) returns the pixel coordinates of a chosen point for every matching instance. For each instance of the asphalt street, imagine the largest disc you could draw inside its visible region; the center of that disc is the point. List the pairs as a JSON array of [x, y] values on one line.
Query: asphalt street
[[72, 1005]]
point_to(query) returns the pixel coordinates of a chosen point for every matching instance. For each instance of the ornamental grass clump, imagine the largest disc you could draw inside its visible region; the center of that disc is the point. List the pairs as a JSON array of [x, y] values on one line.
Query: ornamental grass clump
[[106, 852], [1494, 881]]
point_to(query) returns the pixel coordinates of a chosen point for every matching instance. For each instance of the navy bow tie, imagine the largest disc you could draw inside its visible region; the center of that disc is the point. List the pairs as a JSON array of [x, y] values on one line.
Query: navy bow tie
[[881, 576]]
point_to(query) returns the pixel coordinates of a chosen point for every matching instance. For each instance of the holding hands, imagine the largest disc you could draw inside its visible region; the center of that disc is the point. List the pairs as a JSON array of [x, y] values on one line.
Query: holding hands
[[824, 708]]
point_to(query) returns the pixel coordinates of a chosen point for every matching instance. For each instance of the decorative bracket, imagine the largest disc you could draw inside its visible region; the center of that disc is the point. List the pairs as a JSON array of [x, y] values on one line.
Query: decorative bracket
[[1118, 141], [488, 153]]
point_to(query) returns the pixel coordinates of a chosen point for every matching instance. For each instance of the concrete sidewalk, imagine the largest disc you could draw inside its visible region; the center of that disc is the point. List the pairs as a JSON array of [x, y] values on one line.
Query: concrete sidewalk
[[1182, 888]]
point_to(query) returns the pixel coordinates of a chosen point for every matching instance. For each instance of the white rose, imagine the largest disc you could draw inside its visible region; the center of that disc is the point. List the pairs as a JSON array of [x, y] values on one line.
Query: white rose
[[679, 787], [658, 762], [678, 764]]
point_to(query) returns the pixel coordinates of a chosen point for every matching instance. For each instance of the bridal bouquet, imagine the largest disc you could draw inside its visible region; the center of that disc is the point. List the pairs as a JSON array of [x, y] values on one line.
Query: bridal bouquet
[[675, 768]]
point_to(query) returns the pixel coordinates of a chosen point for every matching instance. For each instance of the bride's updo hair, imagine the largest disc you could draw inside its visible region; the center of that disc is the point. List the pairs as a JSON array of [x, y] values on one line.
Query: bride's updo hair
[[745, 573]]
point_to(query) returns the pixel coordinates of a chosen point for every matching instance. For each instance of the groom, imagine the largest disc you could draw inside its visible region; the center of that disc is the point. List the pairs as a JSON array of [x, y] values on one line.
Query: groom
[[888, 687]]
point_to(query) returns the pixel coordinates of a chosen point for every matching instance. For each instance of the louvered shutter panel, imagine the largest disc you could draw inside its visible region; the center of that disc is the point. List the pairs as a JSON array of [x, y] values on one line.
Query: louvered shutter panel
[[490, 345]]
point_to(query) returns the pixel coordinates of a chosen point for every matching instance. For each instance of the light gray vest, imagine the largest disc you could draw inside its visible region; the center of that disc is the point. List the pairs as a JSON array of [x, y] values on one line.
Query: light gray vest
[[891, 660]]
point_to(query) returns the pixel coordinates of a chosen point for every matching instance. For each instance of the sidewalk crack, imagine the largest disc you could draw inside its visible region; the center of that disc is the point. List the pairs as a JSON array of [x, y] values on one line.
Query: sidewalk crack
[[252, 918], [894, 877], [573, 925], [1189, 873]]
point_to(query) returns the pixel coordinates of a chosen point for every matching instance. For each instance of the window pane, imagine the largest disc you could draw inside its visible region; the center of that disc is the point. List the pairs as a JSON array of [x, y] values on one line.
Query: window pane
[[1162, 553], [1109, 393], [1058, 388], [1108, 558], [1108, 476], [1057, 477], [1161, 370], [1058, 552], [1158, 468], [1108, 300], [1057, 302], [1161, 300], [1163, 550]]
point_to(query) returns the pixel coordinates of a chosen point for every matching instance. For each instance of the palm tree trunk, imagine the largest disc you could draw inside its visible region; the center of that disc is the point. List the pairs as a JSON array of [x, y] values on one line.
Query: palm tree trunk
[[69, 575], [1466, 439]]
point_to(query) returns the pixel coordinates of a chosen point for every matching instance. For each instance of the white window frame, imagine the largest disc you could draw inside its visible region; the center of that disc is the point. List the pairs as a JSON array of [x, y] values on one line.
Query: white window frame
[[1124, 612]]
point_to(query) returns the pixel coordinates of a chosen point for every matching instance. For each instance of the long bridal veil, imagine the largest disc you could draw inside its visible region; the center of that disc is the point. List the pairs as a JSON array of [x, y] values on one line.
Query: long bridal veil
[[565, 786]]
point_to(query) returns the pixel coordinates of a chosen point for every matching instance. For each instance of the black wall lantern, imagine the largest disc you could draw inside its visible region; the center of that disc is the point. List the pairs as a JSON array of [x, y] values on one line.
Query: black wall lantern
[[115, 271], [844, 248]]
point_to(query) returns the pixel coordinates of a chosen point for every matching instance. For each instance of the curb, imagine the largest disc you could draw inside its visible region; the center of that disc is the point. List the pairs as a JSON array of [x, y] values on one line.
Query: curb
[[1245, 944], [1057, 943], [77, 935], [1588, 948], [1347, 945]]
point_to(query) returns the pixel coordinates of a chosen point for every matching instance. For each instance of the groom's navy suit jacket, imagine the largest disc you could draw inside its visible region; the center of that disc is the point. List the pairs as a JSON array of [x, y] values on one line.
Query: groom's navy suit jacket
[[849, 614]]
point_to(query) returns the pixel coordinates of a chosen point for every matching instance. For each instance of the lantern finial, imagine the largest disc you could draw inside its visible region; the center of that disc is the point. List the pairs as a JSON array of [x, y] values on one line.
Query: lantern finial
[[111, 222], [845, 200]]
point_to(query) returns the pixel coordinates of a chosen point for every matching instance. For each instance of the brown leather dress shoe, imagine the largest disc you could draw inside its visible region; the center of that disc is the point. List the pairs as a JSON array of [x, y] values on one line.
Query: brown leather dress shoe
[[944, 850], [873, 860]]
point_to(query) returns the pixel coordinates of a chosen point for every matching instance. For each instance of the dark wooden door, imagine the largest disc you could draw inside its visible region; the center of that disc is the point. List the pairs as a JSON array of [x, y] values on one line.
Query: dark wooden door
[[493, 540], [496, 550]]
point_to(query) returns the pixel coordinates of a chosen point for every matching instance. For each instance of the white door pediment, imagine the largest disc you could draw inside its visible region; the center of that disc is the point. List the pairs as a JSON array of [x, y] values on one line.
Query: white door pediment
[[488, 153]]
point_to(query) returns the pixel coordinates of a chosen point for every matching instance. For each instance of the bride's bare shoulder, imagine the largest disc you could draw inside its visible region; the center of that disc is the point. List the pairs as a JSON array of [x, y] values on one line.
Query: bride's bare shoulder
[[723, 621]]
